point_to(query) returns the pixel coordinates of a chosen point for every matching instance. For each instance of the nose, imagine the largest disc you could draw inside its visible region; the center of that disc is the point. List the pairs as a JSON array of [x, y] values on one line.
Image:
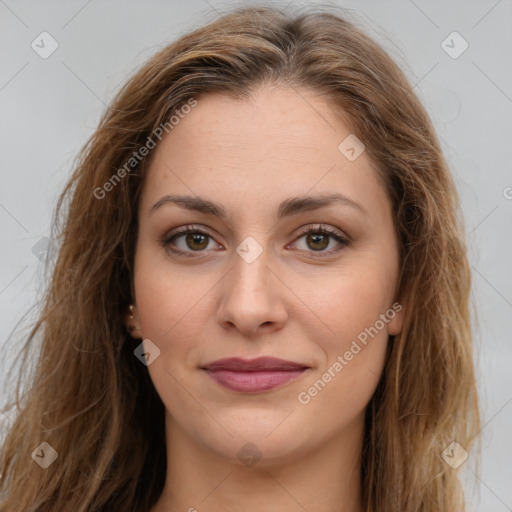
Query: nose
[[252, 298]]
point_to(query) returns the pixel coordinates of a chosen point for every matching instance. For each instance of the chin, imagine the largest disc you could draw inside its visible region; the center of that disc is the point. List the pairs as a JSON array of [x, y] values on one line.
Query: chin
[[258, 451], [260, 441]]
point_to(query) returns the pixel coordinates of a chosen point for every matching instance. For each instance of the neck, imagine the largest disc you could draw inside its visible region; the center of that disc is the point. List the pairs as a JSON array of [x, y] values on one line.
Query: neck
[[326, 478]]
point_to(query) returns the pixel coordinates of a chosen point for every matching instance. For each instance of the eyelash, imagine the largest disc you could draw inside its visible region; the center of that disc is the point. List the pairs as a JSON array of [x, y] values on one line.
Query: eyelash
[[324, 230]]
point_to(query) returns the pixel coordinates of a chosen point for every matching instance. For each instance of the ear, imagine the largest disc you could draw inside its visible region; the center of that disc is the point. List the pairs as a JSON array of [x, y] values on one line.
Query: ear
[[396, 314], [132, 322]]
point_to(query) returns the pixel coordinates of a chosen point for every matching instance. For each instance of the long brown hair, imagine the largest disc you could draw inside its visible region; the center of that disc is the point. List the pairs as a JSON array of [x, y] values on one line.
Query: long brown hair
[[92, 400]]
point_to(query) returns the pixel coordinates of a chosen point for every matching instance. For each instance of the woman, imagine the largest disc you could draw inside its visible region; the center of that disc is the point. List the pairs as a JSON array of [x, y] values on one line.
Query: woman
[[260, 300]]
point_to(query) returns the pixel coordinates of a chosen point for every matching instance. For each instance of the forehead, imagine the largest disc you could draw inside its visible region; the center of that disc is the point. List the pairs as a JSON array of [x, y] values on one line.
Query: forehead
[[273, 118], [278, 142]]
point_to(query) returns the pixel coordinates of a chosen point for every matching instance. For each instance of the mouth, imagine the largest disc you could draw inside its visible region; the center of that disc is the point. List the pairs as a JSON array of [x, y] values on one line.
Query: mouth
[[254, 375]]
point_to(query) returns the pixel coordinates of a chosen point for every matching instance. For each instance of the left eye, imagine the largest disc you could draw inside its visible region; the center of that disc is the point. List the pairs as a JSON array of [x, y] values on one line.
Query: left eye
[[317, 239]]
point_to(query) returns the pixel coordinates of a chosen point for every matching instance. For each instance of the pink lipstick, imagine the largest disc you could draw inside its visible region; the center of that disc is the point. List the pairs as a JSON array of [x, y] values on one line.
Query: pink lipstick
[[253, 375]]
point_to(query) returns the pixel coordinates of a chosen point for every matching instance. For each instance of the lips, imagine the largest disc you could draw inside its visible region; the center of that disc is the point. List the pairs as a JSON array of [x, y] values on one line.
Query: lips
[[253, 375]]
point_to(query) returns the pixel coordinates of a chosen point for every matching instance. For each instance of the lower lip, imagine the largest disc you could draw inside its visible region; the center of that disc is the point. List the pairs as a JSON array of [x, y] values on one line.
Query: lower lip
[[254, 381]]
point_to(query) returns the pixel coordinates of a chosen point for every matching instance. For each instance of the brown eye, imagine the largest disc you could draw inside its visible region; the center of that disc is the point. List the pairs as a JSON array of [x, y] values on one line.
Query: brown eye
[[317, 241], [196, 241], [188, 240]]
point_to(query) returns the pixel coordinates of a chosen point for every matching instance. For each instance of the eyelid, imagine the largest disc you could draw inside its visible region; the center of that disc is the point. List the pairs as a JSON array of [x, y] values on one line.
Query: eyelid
[[186, 229], [327, 228]]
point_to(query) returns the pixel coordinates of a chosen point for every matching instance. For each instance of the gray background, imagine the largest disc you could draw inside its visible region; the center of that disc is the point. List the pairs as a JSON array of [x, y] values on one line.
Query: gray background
[[50, 106]]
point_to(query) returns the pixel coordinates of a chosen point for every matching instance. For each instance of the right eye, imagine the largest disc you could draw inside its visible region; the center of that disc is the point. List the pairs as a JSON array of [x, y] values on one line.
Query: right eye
[[192, 239]]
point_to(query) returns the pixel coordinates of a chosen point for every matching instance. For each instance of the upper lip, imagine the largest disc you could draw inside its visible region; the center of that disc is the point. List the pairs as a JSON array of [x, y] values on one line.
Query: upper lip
[[247, 365]]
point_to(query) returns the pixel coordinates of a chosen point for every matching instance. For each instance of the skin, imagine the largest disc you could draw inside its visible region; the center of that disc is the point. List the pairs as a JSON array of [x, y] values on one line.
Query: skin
[[292, 302]]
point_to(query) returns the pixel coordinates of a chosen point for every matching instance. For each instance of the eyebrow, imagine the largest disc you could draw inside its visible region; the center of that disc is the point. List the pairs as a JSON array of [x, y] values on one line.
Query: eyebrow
[[286, 208]]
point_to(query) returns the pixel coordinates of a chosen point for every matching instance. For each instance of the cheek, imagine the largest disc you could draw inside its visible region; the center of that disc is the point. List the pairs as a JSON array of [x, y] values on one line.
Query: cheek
[[355, 301], [356, 307], [354, 355], [165, 297], [169, 308], [175, 310]]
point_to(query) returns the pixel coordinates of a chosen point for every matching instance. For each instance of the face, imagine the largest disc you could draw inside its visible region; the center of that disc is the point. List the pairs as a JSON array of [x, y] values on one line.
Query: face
[[263, 273]]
